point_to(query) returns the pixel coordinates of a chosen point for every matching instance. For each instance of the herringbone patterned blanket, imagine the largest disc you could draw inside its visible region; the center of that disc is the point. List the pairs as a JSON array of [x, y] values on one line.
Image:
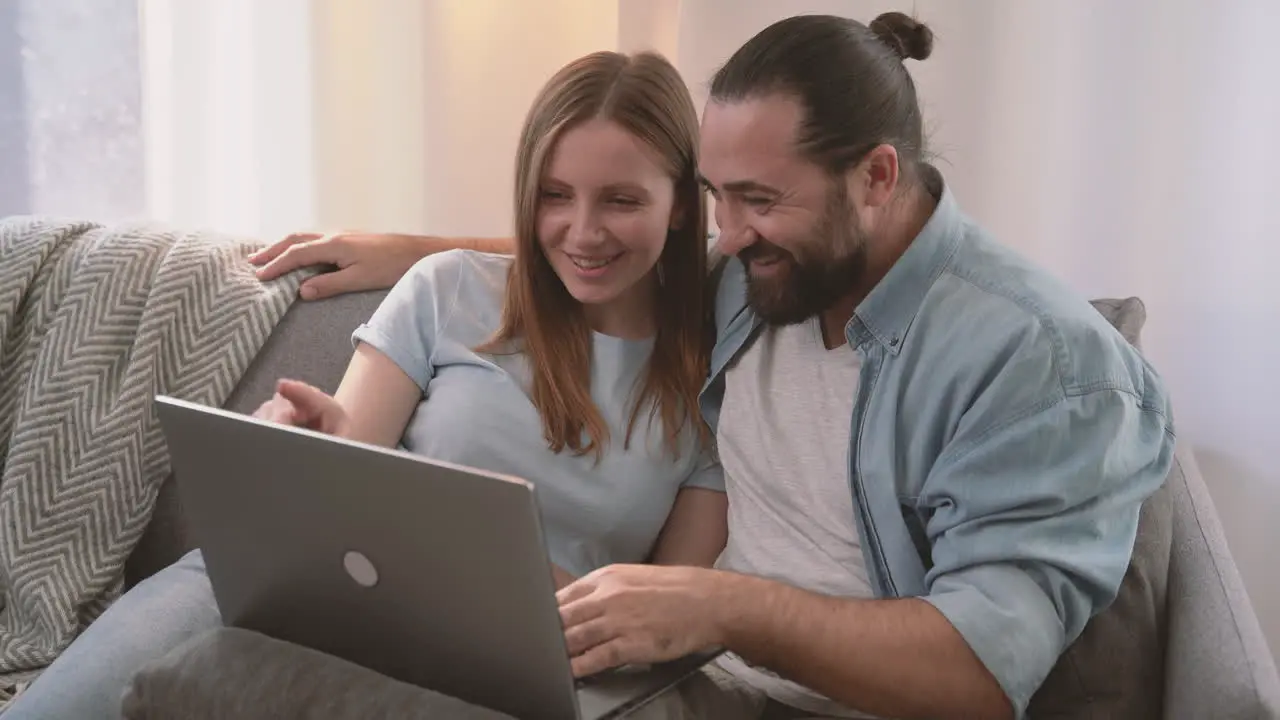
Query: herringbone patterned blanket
[[94, 322]]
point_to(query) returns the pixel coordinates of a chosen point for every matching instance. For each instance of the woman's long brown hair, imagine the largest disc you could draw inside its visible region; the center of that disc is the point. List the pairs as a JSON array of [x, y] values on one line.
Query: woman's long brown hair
[[645, 95]]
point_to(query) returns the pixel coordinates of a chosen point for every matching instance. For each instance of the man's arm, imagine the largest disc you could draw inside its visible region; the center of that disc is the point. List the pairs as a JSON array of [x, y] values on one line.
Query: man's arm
[[363, 261], [1031, 525], [500, 246], [892, 658]]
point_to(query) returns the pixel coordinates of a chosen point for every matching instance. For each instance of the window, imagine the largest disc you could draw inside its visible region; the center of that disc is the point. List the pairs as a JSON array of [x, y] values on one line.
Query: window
[[70, 109]]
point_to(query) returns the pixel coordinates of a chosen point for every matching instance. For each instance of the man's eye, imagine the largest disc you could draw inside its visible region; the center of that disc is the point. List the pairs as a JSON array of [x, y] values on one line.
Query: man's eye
[[756, 201]]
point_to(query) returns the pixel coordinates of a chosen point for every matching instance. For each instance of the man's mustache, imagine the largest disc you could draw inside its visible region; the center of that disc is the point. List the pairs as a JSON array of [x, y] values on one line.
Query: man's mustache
[[763, 250]]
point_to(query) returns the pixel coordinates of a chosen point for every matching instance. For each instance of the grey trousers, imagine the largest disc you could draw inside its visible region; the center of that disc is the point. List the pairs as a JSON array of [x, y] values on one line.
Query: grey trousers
[[230, 673]]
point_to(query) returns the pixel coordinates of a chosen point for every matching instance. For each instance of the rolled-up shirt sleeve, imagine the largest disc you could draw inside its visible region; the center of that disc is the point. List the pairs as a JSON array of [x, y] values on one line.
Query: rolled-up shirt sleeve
[[1032, 521]]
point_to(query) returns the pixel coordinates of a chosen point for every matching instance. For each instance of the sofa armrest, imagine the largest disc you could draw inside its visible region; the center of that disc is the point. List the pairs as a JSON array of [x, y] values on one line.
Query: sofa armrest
[[234, 673], [1216, 662]]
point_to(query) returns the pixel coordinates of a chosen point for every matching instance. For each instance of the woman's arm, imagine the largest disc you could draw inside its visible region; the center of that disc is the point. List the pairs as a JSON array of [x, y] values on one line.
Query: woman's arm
[[377, 397], [694, 534], [696, 530]]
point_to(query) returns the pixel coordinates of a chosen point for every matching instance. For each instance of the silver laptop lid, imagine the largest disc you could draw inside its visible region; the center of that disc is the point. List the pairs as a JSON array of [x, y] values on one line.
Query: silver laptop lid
[[427, 572]]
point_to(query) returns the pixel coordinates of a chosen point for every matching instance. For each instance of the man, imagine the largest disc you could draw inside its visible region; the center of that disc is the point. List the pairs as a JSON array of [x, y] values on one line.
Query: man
[[935, 453]]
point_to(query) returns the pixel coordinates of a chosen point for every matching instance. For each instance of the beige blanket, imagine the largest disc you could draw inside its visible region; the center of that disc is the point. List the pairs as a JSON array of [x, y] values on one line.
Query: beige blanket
[[94, 322]]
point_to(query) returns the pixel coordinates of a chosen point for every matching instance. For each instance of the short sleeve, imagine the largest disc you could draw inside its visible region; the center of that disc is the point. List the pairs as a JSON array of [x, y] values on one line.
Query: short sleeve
[[407, 325], [707, 473]]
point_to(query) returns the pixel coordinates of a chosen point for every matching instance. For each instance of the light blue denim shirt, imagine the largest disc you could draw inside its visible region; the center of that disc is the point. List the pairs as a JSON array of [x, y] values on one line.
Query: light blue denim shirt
[[1004, 436]]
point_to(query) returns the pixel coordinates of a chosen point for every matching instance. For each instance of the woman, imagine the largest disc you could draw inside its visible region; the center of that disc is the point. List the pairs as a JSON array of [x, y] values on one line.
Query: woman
[[576, 365]]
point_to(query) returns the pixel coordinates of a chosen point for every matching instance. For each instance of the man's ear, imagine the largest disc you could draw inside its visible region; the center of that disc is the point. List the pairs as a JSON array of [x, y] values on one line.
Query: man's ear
[[874, 179]]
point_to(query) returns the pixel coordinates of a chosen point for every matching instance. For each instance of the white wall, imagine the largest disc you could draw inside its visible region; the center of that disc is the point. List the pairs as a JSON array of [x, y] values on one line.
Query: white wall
[[269, 117], [422, 103], [1132, 148], [227, 110]]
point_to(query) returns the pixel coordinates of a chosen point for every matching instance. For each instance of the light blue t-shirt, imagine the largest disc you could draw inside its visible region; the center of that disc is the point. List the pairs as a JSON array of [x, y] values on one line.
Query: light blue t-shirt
[[476, 411]]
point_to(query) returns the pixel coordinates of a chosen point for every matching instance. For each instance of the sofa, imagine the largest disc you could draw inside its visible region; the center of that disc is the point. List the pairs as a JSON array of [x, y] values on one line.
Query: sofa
[[1181, 641]]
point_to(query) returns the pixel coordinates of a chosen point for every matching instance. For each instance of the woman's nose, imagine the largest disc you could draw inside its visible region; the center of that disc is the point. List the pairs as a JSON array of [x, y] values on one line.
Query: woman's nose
[[585, 227]]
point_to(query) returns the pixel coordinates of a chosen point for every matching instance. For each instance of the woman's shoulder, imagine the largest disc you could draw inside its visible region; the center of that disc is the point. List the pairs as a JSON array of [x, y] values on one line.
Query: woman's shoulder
[[466, 289], [469, 274], [459, 263]]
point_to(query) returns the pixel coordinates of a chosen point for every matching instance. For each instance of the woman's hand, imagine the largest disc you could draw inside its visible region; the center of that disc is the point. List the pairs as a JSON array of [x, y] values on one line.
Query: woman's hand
[[301, 405]]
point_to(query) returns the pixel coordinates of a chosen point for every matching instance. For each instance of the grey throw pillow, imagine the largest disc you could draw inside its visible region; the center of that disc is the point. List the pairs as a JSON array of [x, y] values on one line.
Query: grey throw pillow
[[233, 673], [1115, 669]]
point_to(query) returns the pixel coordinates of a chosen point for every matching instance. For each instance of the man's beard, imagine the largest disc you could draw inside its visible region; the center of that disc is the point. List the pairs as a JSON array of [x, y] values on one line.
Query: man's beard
[[833, 262]]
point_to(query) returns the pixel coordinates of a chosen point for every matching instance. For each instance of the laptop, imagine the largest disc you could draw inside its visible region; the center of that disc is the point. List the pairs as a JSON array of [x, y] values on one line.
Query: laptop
[[430, 573]]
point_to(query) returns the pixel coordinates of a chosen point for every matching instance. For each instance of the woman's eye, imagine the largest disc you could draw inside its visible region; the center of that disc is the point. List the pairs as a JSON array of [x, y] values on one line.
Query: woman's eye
[[624, 201], [553, 195]]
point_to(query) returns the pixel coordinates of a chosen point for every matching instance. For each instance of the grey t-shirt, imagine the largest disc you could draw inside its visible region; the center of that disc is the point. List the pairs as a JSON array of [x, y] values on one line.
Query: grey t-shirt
[[476, 410], [784, 440]]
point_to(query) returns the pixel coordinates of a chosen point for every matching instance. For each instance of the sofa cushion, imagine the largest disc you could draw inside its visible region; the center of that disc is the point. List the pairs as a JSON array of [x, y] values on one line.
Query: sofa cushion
[[233, 673], [1115, 669]]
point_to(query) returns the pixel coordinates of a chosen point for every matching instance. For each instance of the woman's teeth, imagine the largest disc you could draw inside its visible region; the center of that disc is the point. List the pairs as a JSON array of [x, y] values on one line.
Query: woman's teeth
[[592, 263]]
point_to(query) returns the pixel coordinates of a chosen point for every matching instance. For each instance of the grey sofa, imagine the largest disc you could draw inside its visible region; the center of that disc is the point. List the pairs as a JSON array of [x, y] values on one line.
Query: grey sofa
[[1182, 641]]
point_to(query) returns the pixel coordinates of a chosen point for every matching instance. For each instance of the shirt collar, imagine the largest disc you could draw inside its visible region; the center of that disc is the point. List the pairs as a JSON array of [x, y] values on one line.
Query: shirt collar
[[888, 311]]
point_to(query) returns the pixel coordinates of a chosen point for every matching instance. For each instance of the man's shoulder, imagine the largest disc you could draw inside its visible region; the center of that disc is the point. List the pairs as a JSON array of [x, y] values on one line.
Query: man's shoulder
[[995, 307]]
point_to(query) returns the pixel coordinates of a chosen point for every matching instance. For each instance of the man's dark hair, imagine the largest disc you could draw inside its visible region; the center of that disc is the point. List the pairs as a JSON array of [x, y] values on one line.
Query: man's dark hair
[[849, 79]]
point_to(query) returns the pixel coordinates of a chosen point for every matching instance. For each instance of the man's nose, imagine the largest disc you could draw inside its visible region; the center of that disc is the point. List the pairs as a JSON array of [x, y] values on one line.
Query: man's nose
[[734, 234], [734, 238]]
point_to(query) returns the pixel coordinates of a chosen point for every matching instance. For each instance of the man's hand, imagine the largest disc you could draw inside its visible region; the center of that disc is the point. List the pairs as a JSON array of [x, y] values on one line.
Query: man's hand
[[365, 261], [889, 658], [635, 614]]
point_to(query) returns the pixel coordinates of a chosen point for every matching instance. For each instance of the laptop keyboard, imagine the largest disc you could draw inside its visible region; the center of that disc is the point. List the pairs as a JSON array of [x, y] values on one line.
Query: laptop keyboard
[[625, 669]]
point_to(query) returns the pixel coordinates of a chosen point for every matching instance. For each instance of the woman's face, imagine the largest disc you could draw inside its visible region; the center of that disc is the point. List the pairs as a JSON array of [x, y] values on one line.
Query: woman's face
[[605, 206]]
